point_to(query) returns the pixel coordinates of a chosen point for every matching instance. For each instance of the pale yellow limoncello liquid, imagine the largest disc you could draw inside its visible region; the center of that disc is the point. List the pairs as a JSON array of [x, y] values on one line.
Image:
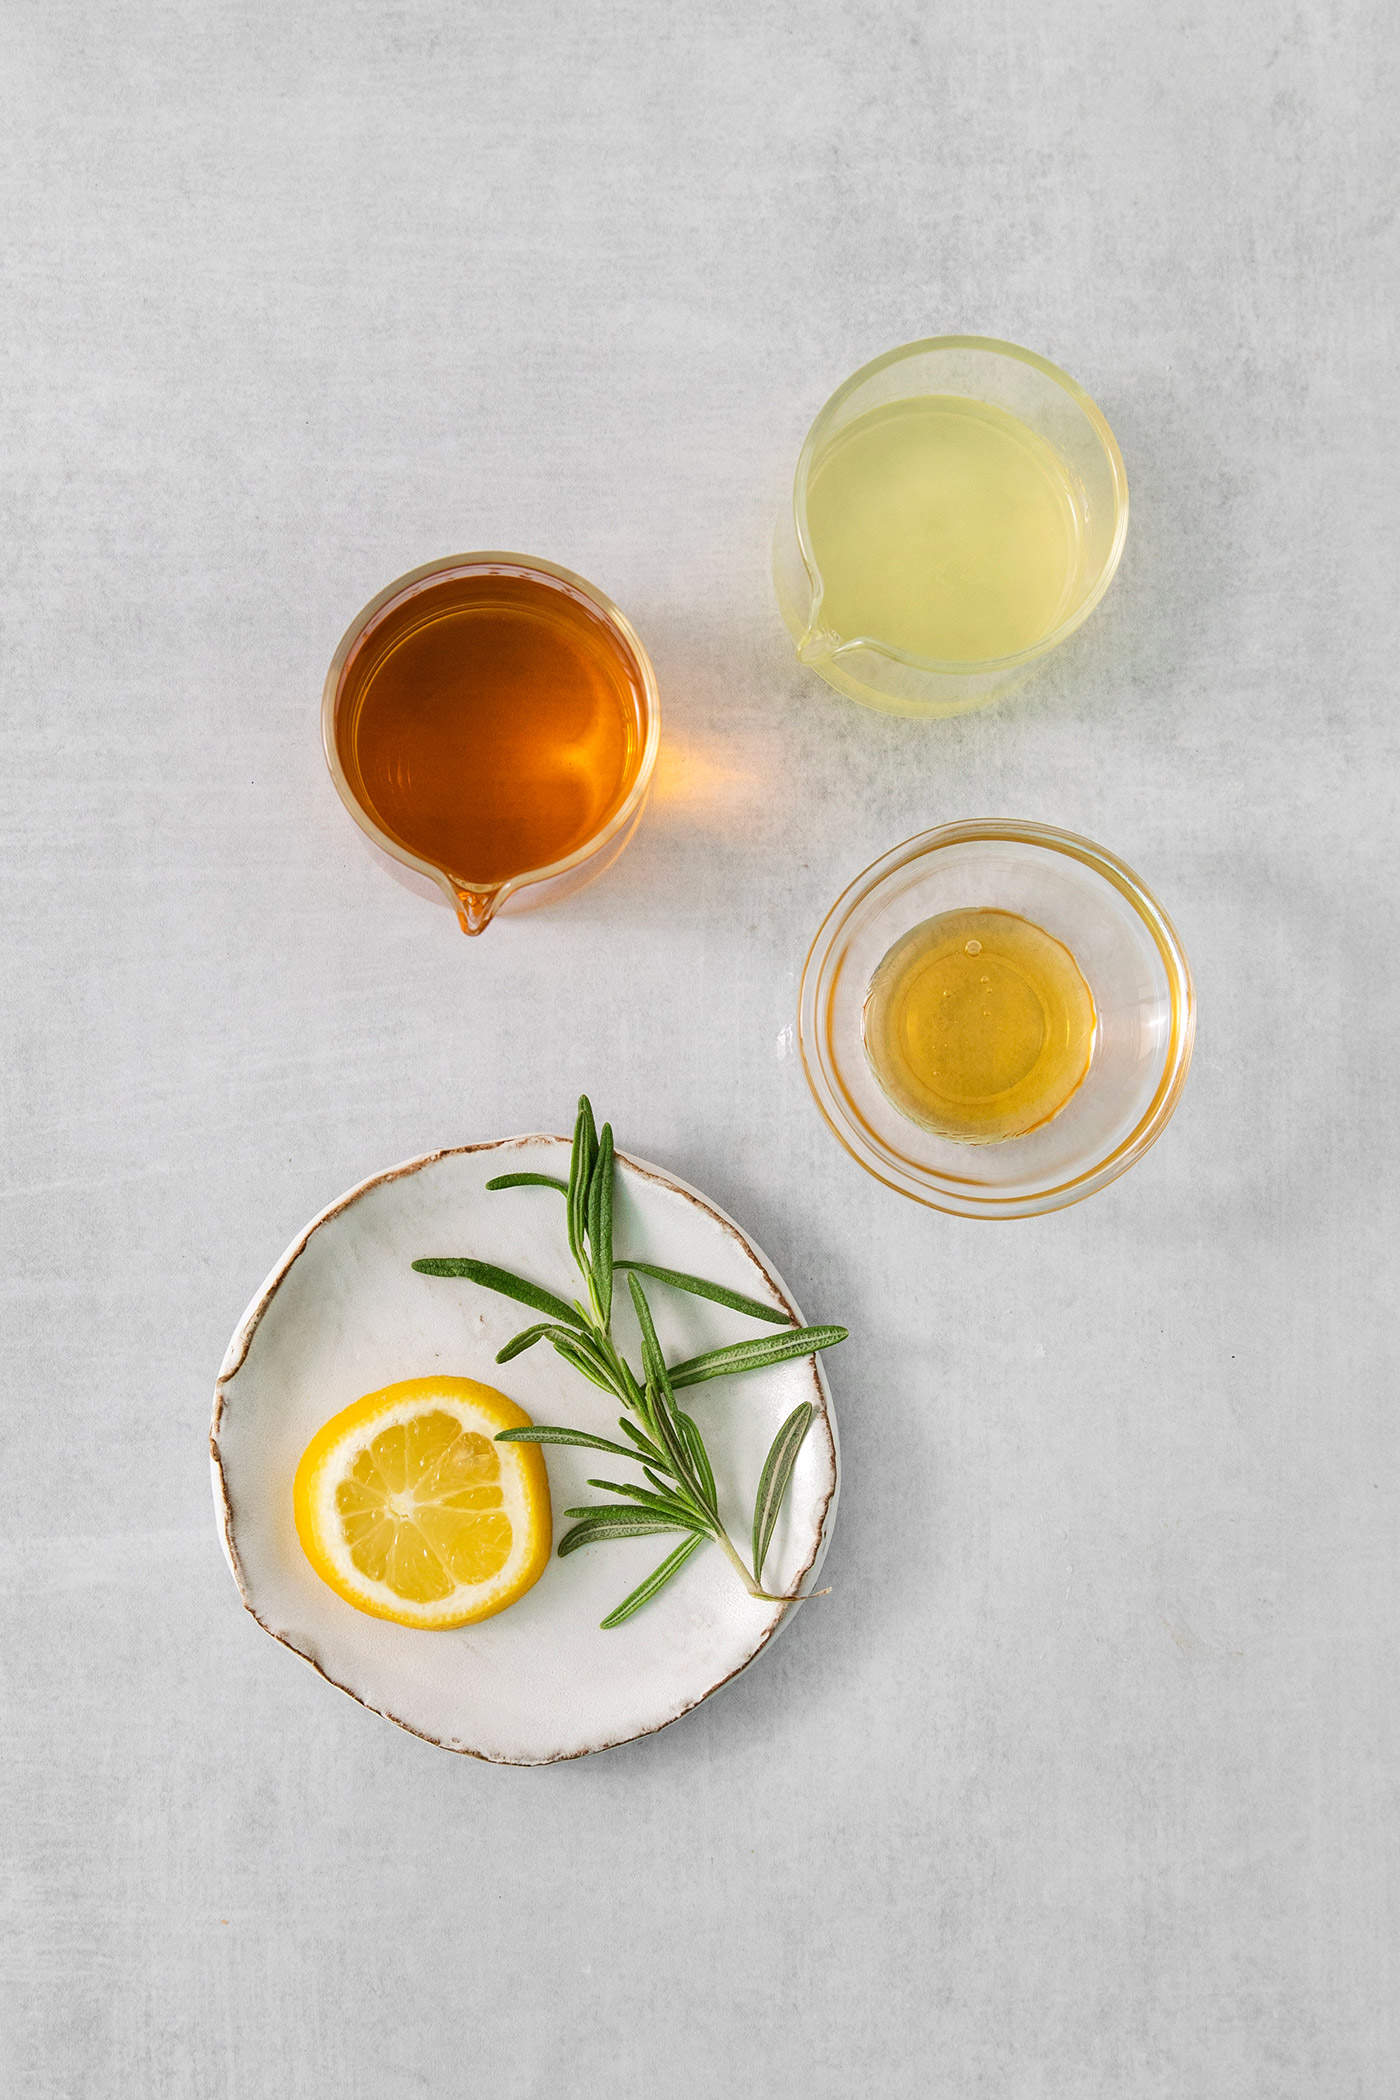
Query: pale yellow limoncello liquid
[[979, 1025], [946, 528]]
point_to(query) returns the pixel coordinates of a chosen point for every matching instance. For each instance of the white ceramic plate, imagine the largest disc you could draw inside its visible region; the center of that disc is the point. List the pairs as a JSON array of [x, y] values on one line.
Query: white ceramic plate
[[344, 1313]]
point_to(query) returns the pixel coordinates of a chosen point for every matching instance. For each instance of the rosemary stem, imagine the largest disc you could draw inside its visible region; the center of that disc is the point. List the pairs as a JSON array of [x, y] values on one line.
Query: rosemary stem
[[727, 1547], [726, 1544]]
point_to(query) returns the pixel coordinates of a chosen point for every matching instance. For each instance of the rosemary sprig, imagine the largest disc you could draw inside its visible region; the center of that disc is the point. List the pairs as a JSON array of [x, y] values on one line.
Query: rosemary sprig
[[661, 1438]]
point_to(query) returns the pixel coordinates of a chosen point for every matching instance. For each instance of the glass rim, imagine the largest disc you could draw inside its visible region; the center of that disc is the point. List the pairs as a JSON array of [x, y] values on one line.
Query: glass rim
[[423, 578], [995, 346], [821, 971]]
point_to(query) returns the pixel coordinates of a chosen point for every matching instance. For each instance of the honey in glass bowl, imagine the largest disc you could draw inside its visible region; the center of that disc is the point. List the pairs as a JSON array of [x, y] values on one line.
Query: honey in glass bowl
[[979, 1025]]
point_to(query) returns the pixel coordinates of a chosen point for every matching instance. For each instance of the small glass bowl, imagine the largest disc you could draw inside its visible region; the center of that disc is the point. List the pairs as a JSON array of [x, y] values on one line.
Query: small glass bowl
[[1122, 941]]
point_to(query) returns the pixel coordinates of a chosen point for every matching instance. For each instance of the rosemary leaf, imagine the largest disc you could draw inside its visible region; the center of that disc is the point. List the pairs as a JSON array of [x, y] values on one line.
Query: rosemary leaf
[[657, 1580], [643, 1443], [509, 1286], [609, 1513], [720, 1293], [579, 1437], [663, 1504], [575, 1350], [773, 1482], [581, 1159], [700, 1461], [653, 1362], [526, 1339], [529, 1181], [662, 1402], [636, 1397], [755, 1355], [614, 1523], [600, 1224]]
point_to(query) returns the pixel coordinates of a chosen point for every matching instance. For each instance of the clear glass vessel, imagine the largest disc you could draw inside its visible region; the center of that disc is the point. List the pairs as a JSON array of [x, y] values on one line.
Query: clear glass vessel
[[477, 903], [1124, 945], [979, 369]]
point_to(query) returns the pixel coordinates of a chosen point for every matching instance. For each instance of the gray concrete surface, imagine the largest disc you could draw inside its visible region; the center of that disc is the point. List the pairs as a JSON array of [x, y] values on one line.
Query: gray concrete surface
[[1082, 1784]]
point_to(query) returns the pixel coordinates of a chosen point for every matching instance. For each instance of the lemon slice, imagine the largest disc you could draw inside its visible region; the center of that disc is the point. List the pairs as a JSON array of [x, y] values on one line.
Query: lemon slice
[[410, 1511]]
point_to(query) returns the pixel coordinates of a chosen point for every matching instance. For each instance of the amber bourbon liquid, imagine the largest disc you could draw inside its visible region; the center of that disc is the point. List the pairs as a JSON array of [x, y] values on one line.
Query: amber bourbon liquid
[[492, 724]]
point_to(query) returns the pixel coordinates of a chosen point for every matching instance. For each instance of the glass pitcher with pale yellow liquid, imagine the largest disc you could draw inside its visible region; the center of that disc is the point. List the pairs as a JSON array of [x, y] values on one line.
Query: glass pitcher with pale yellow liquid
[[959, 508]]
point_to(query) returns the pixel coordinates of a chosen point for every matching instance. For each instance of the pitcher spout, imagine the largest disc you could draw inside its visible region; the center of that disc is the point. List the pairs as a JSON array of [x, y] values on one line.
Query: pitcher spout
[[476, 908], [817, 647]]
